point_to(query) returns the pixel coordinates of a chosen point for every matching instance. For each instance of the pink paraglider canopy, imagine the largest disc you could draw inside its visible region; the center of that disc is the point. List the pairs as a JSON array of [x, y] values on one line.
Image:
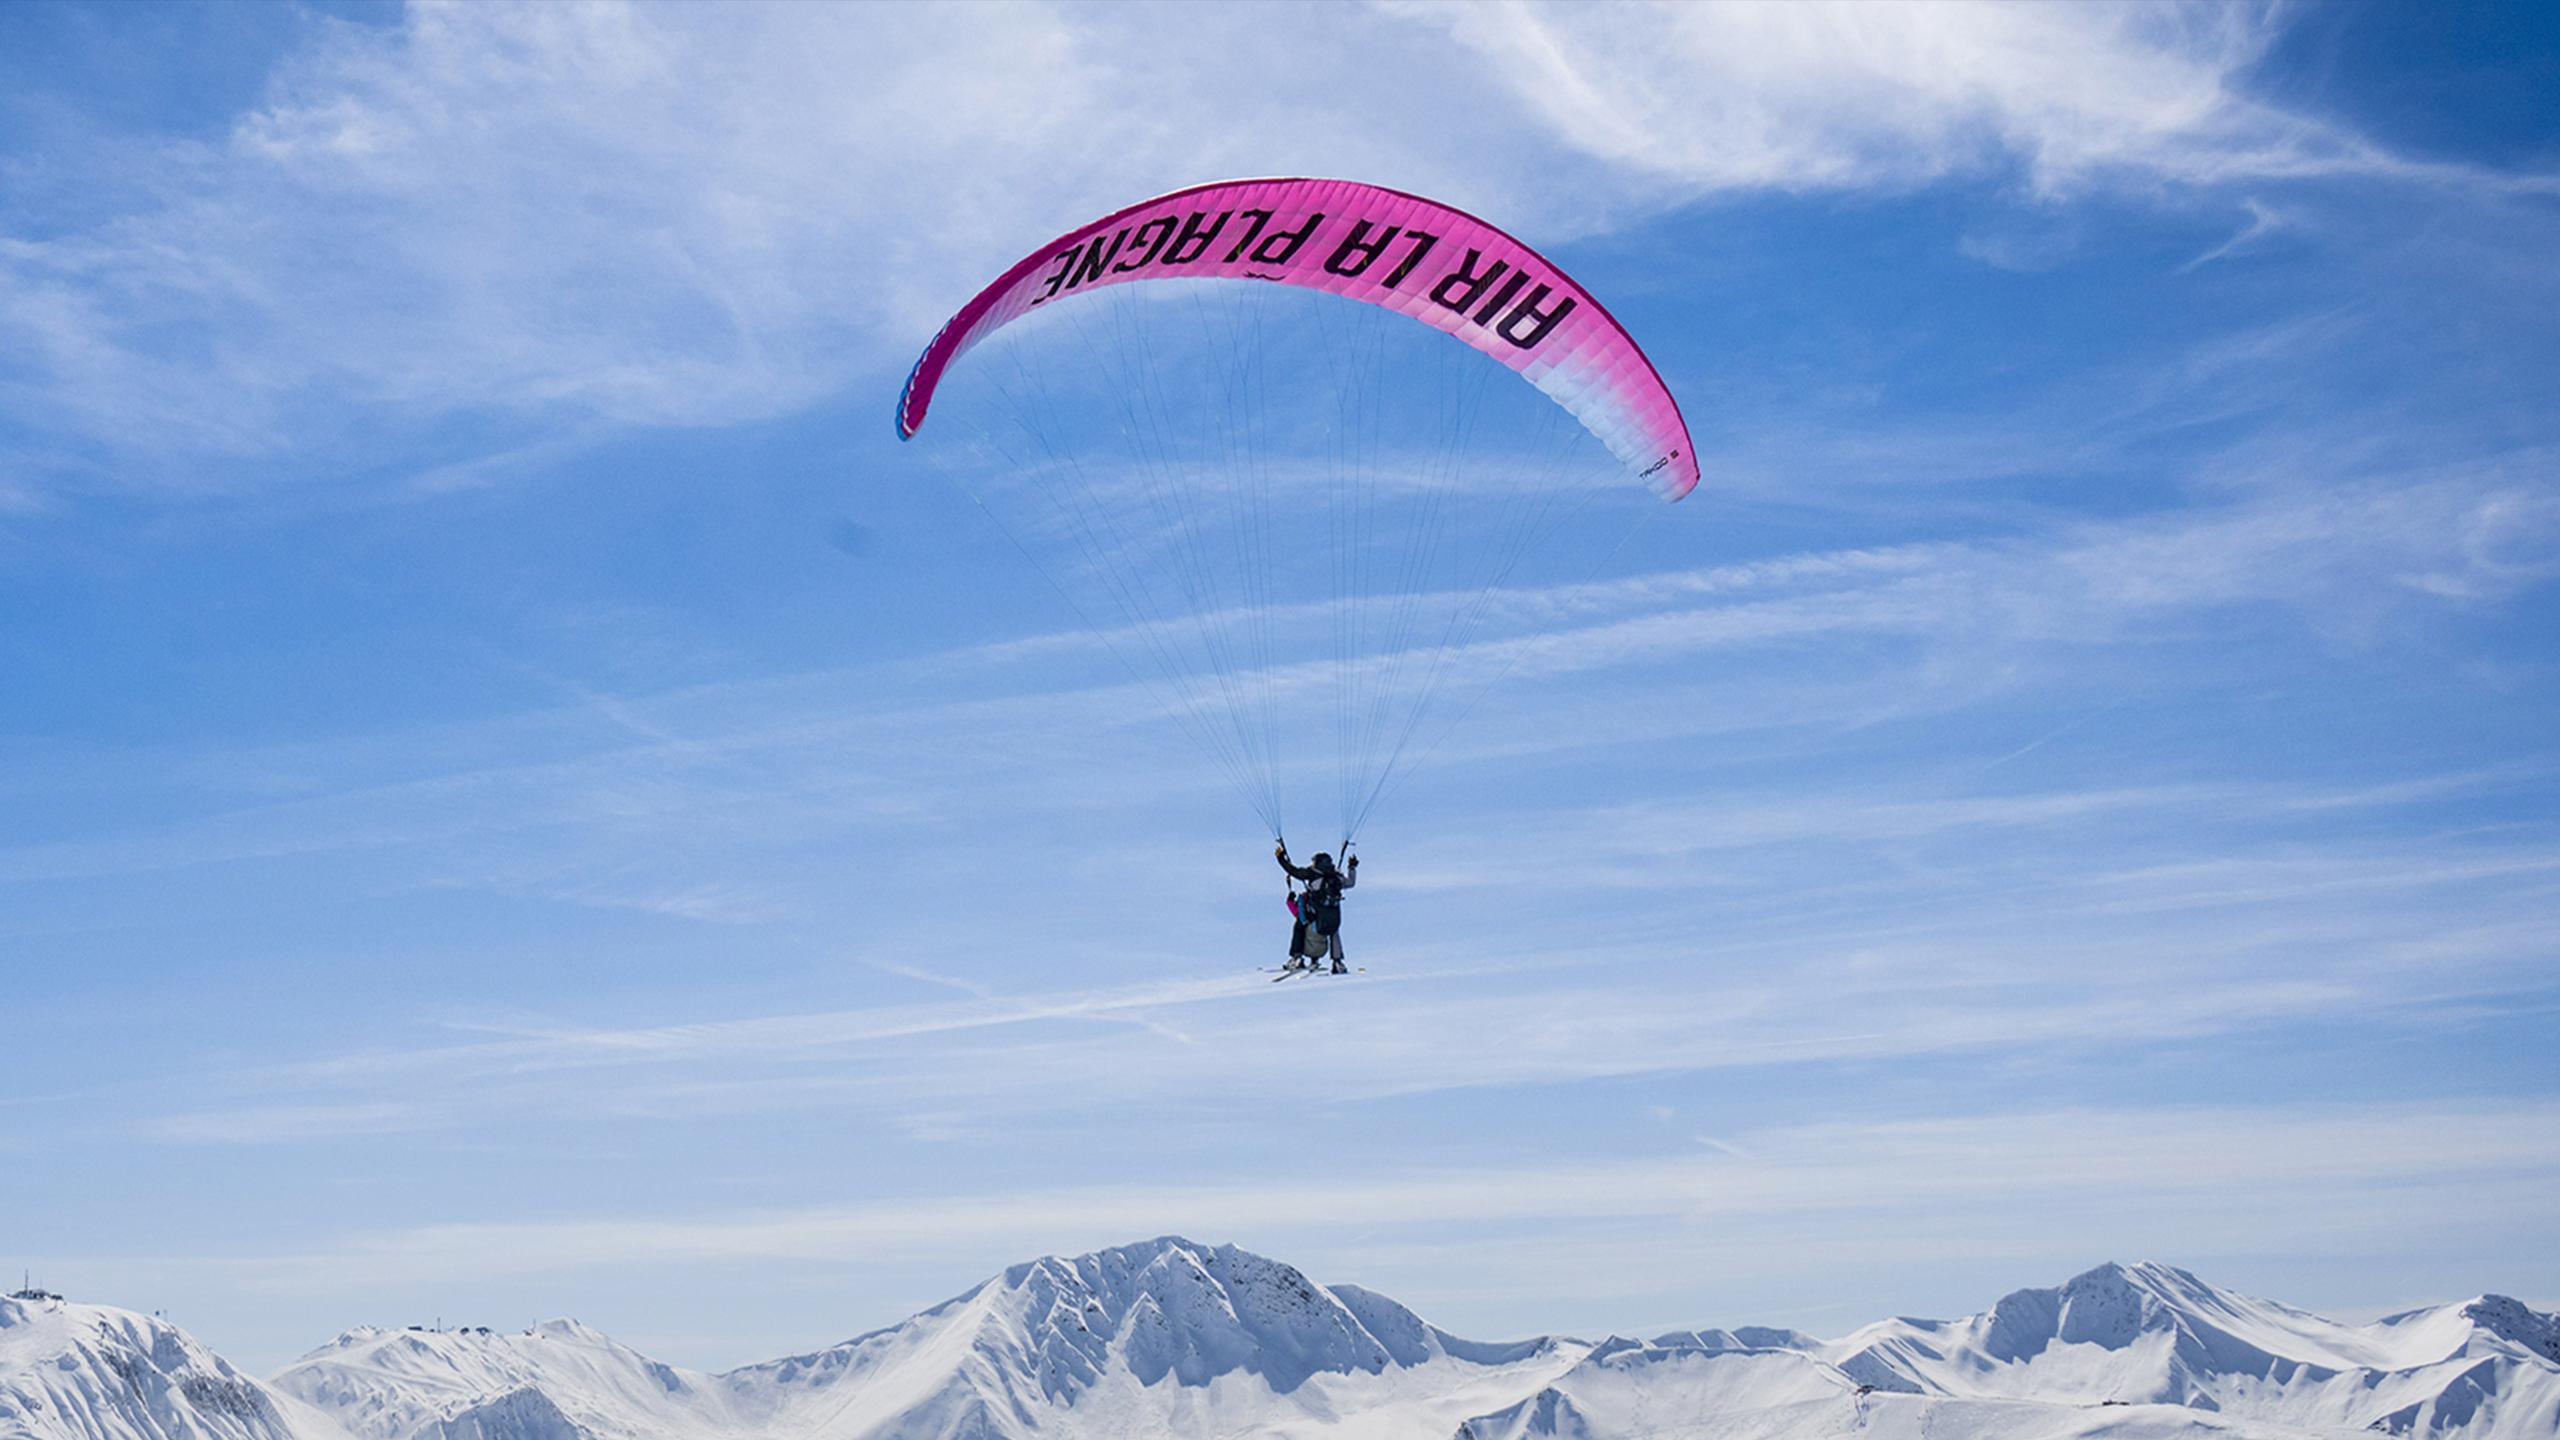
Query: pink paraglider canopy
[[1441, 266]]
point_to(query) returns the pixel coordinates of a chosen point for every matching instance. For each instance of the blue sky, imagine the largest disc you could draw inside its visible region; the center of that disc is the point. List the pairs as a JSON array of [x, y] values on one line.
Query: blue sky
[[510, 803]]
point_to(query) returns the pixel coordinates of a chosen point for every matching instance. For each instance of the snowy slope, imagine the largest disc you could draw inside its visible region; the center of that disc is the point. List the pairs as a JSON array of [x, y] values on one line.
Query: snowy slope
[[1679, 1400], [1163, 1338], [2153, 1334], [2146, 1352], [558, 1380], [1624, 1388], [91, 1372]]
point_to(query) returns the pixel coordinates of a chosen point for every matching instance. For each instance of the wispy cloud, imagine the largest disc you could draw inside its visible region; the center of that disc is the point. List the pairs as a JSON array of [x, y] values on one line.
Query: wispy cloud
[[552, 219], [1818, 96], [2068, 1178], [284, 1124], [752, 765], [2189, 929], [2264, 220]]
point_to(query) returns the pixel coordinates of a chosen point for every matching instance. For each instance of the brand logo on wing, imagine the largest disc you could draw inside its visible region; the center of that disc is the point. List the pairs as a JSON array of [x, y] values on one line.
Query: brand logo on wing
[[1493, 294]]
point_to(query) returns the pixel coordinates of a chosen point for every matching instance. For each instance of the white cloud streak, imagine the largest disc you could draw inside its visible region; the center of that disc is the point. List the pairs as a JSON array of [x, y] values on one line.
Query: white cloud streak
[[2347, 561], [2011, 955], [2313, 1177]]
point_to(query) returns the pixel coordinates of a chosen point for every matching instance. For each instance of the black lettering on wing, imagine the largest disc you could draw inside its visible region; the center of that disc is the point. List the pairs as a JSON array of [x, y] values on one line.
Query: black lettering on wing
[[1066, 262], [1198, 229], [1358, 252], [1526, 325], [1462, 287], [1149, 239]]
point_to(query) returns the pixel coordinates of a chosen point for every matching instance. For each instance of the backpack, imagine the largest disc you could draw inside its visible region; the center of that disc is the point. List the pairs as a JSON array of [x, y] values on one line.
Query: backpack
[[1322, 910]]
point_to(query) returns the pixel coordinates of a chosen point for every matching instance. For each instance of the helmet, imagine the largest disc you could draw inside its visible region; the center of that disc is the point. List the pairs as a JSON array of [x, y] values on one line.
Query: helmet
[[1322, 861]]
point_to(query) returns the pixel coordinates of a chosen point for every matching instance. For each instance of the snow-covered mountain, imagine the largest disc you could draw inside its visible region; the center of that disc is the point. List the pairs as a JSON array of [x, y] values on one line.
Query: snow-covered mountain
[[555, 1381], [1170, 1338], [2152, 1334], [91, 1372], [2177, 1354], [1164, 1338]]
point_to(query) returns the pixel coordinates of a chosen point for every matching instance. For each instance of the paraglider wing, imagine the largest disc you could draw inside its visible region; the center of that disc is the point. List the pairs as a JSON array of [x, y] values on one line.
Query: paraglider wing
[[1402, 252]]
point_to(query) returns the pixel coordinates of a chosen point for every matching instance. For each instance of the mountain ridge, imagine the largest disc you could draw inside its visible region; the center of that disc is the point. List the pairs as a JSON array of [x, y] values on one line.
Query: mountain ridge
[[2147, 1336], [95, 1372], [1169, 1337]]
